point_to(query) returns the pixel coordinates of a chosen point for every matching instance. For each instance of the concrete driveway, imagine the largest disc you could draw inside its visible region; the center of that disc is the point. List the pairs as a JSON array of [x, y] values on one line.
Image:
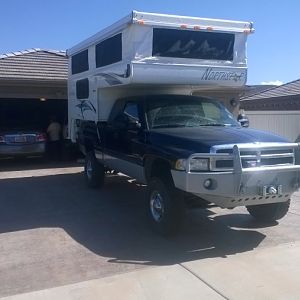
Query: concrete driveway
[[54, 231]]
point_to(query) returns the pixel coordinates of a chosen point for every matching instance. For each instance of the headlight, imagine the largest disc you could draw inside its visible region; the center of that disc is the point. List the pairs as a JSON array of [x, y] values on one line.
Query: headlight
[[196, 164], [199, 164], [180, 164]]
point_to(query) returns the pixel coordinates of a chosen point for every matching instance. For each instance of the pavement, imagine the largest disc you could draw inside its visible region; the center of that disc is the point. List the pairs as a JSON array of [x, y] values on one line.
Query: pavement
[[60, 240], [260, 274]]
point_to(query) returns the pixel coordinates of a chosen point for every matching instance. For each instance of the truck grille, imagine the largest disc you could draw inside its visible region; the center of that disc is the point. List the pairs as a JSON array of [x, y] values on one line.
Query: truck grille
[[255, 157]]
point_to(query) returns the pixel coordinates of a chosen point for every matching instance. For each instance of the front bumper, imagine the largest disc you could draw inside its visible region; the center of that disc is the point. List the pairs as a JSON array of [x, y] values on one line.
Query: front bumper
[[242, 186]]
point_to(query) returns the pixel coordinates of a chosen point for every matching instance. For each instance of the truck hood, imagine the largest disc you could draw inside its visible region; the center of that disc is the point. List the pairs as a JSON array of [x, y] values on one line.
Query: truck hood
[[188, 140]]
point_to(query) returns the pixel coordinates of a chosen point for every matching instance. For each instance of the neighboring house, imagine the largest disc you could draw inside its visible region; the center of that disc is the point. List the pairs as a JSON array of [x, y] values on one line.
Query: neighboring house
[[255, 89], [276, 109], [33, 85]]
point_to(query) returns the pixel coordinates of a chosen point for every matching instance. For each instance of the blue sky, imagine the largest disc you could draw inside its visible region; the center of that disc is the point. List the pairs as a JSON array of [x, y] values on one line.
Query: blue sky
[[273, 51]]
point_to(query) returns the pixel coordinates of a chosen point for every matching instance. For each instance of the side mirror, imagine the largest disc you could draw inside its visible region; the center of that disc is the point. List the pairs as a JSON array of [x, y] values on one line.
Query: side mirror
[[134, 125], [244, 121]]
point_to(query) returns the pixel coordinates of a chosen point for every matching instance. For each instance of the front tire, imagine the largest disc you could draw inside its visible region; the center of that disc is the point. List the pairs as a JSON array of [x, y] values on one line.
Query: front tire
[[269, 212], [94, 171], [165, 207]]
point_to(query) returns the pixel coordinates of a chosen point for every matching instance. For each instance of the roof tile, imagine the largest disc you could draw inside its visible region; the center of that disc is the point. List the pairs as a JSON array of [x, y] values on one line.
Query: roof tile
[[289, 89], [34, 63]]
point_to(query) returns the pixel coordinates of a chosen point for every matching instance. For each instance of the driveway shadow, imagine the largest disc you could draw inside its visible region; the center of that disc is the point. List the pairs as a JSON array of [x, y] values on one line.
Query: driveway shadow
[[111, 223], [238, 220]]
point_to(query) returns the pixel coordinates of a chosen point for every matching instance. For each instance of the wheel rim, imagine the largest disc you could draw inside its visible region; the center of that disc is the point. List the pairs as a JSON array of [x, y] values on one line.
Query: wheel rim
[[89, 169], [157, 206]]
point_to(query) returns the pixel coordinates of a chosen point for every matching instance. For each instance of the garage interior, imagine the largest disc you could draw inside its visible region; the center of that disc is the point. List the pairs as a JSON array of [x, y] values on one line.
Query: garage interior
[[33, 114]]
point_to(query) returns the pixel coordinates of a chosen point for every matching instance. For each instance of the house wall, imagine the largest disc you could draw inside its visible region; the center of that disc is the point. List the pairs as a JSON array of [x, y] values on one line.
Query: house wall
[[284, 123], [32, 89]]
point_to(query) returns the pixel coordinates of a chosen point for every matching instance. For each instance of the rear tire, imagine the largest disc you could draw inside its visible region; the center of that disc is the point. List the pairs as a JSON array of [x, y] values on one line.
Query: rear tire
[[269, 212], [94, 172], [165, 207]]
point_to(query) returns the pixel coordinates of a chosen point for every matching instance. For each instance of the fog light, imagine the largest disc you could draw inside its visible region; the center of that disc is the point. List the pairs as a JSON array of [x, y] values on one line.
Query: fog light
[[207, 183]]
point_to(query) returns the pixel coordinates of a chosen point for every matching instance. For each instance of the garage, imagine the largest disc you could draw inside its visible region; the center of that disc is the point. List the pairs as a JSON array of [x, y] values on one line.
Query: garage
[[33, 88], [31, 113]]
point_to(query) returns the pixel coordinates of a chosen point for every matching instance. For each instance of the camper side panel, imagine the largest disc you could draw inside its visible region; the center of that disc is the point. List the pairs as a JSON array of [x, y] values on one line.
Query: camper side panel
[[82, 100]]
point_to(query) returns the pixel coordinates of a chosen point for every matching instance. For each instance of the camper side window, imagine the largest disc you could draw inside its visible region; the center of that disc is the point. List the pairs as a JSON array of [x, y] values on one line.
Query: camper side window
[[109, 51], [82, 88], [80, 62]]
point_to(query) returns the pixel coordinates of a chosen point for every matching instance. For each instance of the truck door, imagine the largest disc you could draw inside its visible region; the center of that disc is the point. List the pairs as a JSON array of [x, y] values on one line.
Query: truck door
[[125, 138]]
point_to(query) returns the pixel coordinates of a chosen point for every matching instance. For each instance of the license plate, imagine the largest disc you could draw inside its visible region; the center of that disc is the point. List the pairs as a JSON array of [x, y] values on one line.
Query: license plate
[[20, 139]]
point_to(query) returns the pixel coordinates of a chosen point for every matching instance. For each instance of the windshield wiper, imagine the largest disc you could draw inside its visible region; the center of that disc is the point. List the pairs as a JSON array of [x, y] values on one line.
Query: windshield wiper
[[167, 126], [216, 124]]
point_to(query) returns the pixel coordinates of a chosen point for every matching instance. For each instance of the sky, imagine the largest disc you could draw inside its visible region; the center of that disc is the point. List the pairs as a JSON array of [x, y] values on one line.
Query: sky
[[273, 50]]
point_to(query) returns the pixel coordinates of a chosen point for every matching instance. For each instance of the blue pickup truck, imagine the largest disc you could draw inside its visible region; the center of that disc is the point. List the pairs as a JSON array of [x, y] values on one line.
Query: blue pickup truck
[[187, 150]]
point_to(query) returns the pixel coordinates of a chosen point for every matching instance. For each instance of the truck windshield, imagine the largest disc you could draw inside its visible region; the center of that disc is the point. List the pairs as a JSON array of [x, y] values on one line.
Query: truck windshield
[[187, 111]]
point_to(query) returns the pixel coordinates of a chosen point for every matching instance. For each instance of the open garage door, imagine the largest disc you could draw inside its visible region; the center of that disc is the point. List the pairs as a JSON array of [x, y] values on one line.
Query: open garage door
[[24, 123]]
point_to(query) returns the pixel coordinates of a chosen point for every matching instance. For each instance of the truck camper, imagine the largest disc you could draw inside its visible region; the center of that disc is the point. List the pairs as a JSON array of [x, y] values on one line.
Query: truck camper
[[155, 97]]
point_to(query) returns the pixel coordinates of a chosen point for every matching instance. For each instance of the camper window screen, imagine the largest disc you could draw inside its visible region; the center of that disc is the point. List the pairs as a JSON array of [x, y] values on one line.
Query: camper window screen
[[192, 44], [80, 62], [109, 51], [82, 88]]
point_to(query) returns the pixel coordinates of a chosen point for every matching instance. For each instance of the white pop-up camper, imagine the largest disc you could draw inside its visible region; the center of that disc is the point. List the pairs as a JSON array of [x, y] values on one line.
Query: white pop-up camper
[[147, 52]]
